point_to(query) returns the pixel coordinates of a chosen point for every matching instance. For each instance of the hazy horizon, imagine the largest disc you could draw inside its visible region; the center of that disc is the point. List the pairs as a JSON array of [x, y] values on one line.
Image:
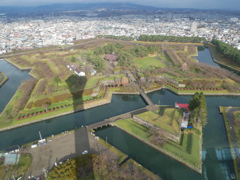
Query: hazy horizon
[[195, 4]]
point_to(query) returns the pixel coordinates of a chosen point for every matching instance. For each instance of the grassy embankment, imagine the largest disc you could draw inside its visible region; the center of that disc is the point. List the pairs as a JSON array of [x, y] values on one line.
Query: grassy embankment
[[223, 110], [224, 61], [187, 150], [169, 121], [3, 79], [7, 171]]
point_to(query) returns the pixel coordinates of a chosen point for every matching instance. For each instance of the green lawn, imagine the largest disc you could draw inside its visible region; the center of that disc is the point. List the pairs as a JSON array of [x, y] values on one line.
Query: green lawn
[[187, 150], [134, 128], [92, 81], [112, 77], [169, 121], [149, 62]]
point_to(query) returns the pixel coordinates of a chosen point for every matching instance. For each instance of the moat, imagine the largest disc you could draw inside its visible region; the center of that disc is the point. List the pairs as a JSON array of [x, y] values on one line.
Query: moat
[[217, 161]]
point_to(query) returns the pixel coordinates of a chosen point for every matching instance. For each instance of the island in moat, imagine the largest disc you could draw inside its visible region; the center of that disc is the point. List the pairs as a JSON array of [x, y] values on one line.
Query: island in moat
[[85, 75]]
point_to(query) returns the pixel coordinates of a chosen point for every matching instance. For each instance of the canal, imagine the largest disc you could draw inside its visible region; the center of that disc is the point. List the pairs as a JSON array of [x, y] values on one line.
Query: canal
[[217, 162]]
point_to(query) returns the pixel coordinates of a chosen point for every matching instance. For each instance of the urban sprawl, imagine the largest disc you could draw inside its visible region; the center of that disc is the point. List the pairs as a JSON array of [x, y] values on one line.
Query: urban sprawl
[[20, 34]]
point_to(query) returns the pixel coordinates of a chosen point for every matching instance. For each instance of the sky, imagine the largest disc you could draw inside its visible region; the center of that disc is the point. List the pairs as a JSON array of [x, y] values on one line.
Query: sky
[[200, 4]]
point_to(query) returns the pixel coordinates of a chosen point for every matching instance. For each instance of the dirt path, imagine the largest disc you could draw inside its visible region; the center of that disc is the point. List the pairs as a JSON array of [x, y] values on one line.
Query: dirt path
[[165, 62]]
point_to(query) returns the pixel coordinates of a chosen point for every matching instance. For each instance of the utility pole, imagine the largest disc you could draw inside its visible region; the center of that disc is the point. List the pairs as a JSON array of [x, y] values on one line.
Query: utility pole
[[40, 135]]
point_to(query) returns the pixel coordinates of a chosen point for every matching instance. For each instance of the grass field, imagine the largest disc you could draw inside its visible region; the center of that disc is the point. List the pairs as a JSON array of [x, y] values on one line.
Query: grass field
[[169, 121], [149, 62], [113, 77], [187, 150], [135, 128]]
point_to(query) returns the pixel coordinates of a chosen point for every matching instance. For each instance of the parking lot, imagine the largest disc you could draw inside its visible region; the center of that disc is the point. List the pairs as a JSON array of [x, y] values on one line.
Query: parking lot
[[60, 148]]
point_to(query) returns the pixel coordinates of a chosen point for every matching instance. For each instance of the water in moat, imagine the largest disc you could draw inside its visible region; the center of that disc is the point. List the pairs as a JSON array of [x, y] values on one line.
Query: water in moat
[[204, 56], [10, 87], [217, 162]]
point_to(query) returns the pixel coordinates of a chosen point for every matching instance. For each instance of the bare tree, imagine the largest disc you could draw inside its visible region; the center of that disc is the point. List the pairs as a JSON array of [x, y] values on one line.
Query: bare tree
[[157, 137]]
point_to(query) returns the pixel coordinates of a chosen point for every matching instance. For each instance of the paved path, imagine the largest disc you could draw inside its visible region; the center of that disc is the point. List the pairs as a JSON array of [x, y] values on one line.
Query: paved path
[[230, 116], [145, 97]]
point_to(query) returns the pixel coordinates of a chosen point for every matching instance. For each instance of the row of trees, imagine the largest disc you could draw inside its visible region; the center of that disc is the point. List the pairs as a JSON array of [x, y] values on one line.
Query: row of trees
[[160, 38], [109, 49], [227, 50], [124, 38], [198, 108], [126, 57]]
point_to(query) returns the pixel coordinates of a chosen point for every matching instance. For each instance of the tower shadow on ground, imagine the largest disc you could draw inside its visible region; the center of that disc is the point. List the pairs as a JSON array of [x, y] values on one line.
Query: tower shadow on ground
[[76, 85]]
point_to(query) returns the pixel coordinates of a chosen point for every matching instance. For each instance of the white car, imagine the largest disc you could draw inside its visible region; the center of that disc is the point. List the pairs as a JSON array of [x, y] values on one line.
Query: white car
[[85, 152]]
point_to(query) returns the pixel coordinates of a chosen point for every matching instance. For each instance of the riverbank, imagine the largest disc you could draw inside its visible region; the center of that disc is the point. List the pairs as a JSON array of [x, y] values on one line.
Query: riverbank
[[221, 63]]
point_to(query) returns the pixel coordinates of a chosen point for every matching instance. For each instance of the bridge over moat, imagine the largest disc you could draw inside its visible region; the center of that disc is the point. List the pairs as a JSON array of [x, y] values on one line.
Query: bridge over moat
[[111, 120]]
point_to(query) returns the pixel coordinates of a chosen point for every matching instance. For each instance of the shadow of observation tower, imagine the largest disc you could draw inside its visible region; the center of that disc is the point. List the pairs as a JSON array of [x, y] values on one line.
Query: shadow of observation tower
[[81, 138]]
